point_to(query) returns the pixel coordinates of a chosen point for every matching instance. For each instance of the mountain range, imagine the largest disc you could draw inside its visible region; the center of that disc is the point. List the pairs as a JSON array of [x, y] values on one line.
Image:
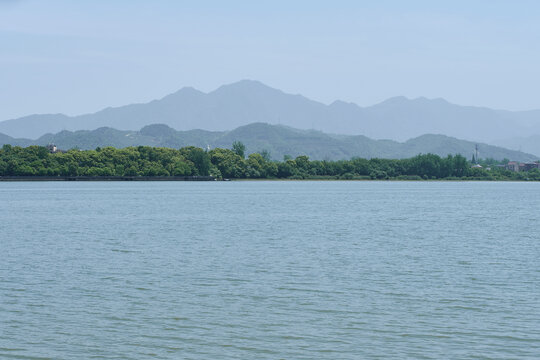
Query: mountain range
[[279, 140], [247, 101]]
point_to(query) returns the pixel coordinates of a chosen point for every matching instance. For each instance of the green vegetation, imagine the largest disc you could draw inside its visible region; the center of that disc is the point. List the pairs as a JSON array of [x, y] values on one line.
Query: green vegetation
[[239, 149], [225, 163], [132, 161]]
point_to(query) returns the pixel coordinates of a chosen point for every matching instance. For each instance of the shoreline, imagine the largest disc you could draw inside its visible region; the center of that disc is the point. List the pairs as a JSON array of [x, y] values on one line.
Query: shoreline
[[107, 178], [211, 178]]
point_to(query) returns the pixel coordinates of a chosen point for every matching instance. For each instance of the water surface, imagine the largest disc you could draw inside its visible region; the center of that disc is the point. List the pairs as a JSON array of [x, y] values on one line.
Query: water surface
[[269, 270]]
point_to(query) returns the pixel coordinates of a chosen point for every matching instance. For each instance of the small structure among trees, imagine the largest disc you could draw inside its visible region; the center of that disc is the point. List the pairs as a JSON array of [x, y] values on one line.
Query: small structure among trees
[[52, 148]]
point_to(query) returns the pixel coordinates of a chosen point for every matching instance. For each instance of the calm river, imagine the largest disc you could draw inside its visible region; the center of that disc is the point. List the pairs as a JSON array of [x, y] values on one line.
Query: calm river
[[269, 270]]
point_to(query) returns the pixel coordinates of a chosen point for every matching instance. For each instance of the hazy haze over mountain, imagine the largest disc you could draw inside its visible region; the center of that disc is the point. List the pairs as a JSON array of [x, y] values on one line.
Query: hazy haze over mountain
[[247, 101]]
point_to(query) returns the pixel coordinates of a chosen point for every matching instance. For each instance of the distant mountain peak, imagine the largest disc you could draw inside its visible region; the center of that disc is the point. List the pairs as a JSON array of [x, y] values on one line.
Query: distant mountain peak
[[157, 130], [394, 100], [248, 83], [400, 100], [189, 89], [438, 100], [245, 85], [185, 91], [343, 104]]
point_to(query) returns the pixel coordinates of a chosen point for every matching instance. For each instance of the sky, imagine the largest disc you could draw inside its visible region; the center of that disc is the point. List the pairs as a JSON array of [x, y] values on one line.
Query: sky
[[76, 57]]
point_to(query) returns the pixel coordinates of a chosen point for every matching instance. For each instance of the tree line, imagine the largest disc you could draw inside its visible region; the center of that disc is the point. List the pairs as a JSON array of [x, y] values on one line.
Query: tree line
[[233, 164]]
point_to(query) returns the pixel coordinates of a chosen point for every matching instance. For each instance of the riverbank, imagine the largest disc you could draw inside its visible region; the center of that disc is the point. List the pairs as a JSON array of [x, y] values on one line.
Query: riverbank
[[107, 178], [211, 178]]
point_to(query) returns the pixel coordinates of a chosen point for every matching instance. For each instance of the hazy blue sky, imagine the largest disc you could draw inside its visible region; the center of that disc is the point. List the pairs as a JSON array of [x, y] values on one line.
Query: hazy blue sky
[[80, 56]]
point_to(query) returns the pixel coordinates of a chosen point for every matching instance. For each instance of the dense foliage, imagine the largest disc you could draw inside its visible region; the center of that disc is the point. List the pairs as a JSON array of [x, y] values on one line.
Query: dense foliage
[[225, 163]]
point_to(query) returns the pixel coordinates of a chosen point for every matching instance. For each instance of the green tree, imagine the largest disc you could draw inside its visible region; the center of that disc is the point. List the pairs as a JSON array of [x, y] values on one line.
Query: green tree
[[266, 155], [230, 164], [239, 149], [287, 169], [199, 158]]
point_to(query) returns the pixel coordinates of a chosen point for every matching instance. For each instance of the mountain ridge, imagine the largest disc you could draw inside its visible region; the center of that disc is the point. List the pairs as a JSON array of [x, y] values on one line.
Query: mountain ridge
[[247, 101], [279, 140]]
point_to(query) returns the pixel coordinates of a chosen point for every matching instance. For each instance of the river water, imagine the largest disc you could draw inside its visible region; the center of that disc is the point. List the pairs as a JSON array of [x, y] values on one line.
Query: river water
[[269, 270]]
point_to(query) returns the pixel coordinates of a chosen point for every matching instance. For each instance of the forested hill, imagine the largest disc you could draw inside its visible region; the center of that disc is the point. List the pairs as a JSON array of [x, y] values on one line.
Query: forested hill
[[275, 139]]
